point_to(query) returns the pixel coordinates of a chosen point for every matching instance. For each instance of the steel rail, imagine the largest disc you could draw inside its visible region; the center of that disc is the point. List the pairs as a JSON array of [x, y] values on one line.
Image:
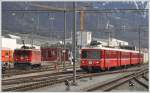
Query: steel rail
[[145, 78], [141, 83], [51, 82], [110, 85], [19, 72]]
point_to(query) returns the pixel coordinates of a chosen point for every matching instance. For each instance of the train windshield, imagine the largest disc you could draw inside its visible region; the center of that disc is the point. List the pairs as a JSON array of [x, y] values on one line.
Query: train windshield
[[91, 54], [23, 53]]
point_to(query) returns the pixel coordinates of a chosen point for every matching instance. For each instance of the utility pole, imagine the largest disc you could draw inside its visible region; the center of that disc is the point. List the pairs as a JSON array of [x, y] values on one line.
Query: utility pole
[[64, 52], [139, 41], [81, 25], [38, 22], [74, 44], [37, 26], [32, 32], [108, 34], [51, 25]]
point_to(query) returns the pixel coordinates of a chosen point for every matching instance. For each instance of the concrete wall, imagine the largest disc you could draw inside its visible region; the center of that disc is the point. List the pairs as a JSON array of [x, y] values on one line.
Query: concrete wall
[[84, 38], [146, 58], [9, 43]]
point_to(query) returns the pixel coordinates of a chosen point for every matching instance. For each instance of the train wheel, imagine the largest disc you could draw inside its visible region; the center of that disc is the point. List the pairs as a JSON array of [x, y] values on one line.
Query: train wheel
[[39, 66], [36, 66], [97, 70]]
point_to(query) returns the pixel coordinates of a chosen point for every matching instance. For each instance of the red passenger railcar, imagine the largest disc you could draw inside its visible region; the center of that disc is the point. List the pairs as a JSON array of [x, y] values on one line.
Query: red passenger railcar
[[96, 59], [51, 54], [27, 57]]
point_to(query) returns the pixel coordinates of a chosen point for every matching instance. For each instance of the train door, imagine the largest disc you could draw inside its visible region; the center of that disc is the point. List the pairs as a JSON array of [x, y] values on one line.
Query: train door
[[118, 58], [107, 59], [120, 54], [130, 57], [102, 64]]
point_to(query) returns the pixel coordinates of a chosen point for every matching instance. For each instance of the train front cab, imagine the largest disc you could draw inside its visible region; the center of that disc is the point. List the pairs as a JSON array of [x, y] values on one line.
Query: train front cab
[[90, 60], [99, 59], [26, 58]]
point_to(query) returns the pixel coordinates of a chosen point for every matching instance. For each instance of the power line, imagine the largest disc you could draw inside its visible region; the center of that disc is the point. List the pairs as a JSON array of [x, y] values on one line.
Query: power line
[[79, 10]]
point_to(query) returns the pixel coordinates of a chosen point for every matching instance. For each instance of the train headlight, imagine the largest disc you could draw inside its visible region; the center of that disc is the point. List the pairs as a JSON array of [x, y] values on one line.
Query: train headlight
[[97, 62], [16, 59], [21, 57], [90, 62], [82, 62]]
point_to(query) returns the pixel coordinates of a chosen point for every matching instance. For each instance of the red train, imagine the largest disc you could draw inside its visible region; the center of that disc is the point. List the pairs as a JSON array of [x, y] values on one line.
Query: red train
[[51, 54], [7, 55], [30, 57], [27, 58], [97, 59]]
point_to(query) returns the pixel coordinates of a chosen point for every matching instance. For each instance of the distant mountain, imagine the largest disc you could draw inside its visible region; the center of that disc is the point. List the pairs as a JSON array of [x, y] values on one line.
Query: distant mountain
[[125, 26]]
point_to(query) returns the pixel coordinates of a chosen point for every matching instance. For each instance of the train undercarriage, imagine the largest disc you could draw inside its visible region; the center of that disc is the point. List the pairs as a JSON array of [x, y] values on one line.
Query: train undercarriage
[[26, 65]]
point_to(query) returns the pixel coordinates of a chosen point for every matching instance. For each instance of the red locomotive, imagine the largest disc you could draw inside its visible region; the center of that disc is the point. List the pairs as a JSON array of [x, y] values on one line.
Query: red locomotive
[[27, 58], [97, 59]]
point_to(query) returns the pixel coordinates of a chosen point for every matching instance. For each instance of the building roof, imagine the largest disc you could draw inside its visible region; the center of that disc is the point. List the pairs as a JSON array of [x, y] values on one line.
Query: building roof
[[14, 36]]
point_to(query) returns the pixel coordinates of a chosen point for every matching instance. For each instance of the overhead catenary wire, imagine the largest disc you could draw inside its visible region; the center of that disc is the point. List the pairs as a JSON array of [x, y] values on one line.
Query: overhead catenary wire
[[79, 10]]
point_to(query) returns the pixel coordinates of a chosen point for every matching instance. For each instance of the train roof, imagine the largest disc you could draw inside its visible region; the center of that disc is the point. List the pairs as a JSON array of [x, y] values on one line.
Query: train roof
[[29, 49], [123, 50]]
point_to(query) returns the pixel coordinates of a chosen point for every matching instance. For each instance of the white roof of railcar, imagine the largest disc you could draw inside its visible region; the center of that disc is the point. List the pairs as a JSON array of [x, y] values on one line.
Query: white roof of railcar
[[124, 50], [28, 49]]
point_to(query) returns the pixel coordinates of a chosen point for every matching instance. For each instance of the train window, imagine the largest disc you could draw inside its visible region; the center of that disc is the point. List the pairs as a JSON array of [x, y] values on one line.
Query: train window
[[49, 54], [53, 53], [46, 52], [37, 52], [84, 54], [95, 55], [7, 53], [107, 54], [91, 54], [125, 55], [23, 53]]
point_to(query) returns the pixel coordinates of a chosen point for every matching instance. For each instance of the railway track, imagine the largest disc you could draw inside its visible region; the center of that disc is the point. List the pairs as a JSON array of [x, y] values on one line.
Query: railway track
[[52, 79], [42, 69], [35, 78], [112, 84]]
